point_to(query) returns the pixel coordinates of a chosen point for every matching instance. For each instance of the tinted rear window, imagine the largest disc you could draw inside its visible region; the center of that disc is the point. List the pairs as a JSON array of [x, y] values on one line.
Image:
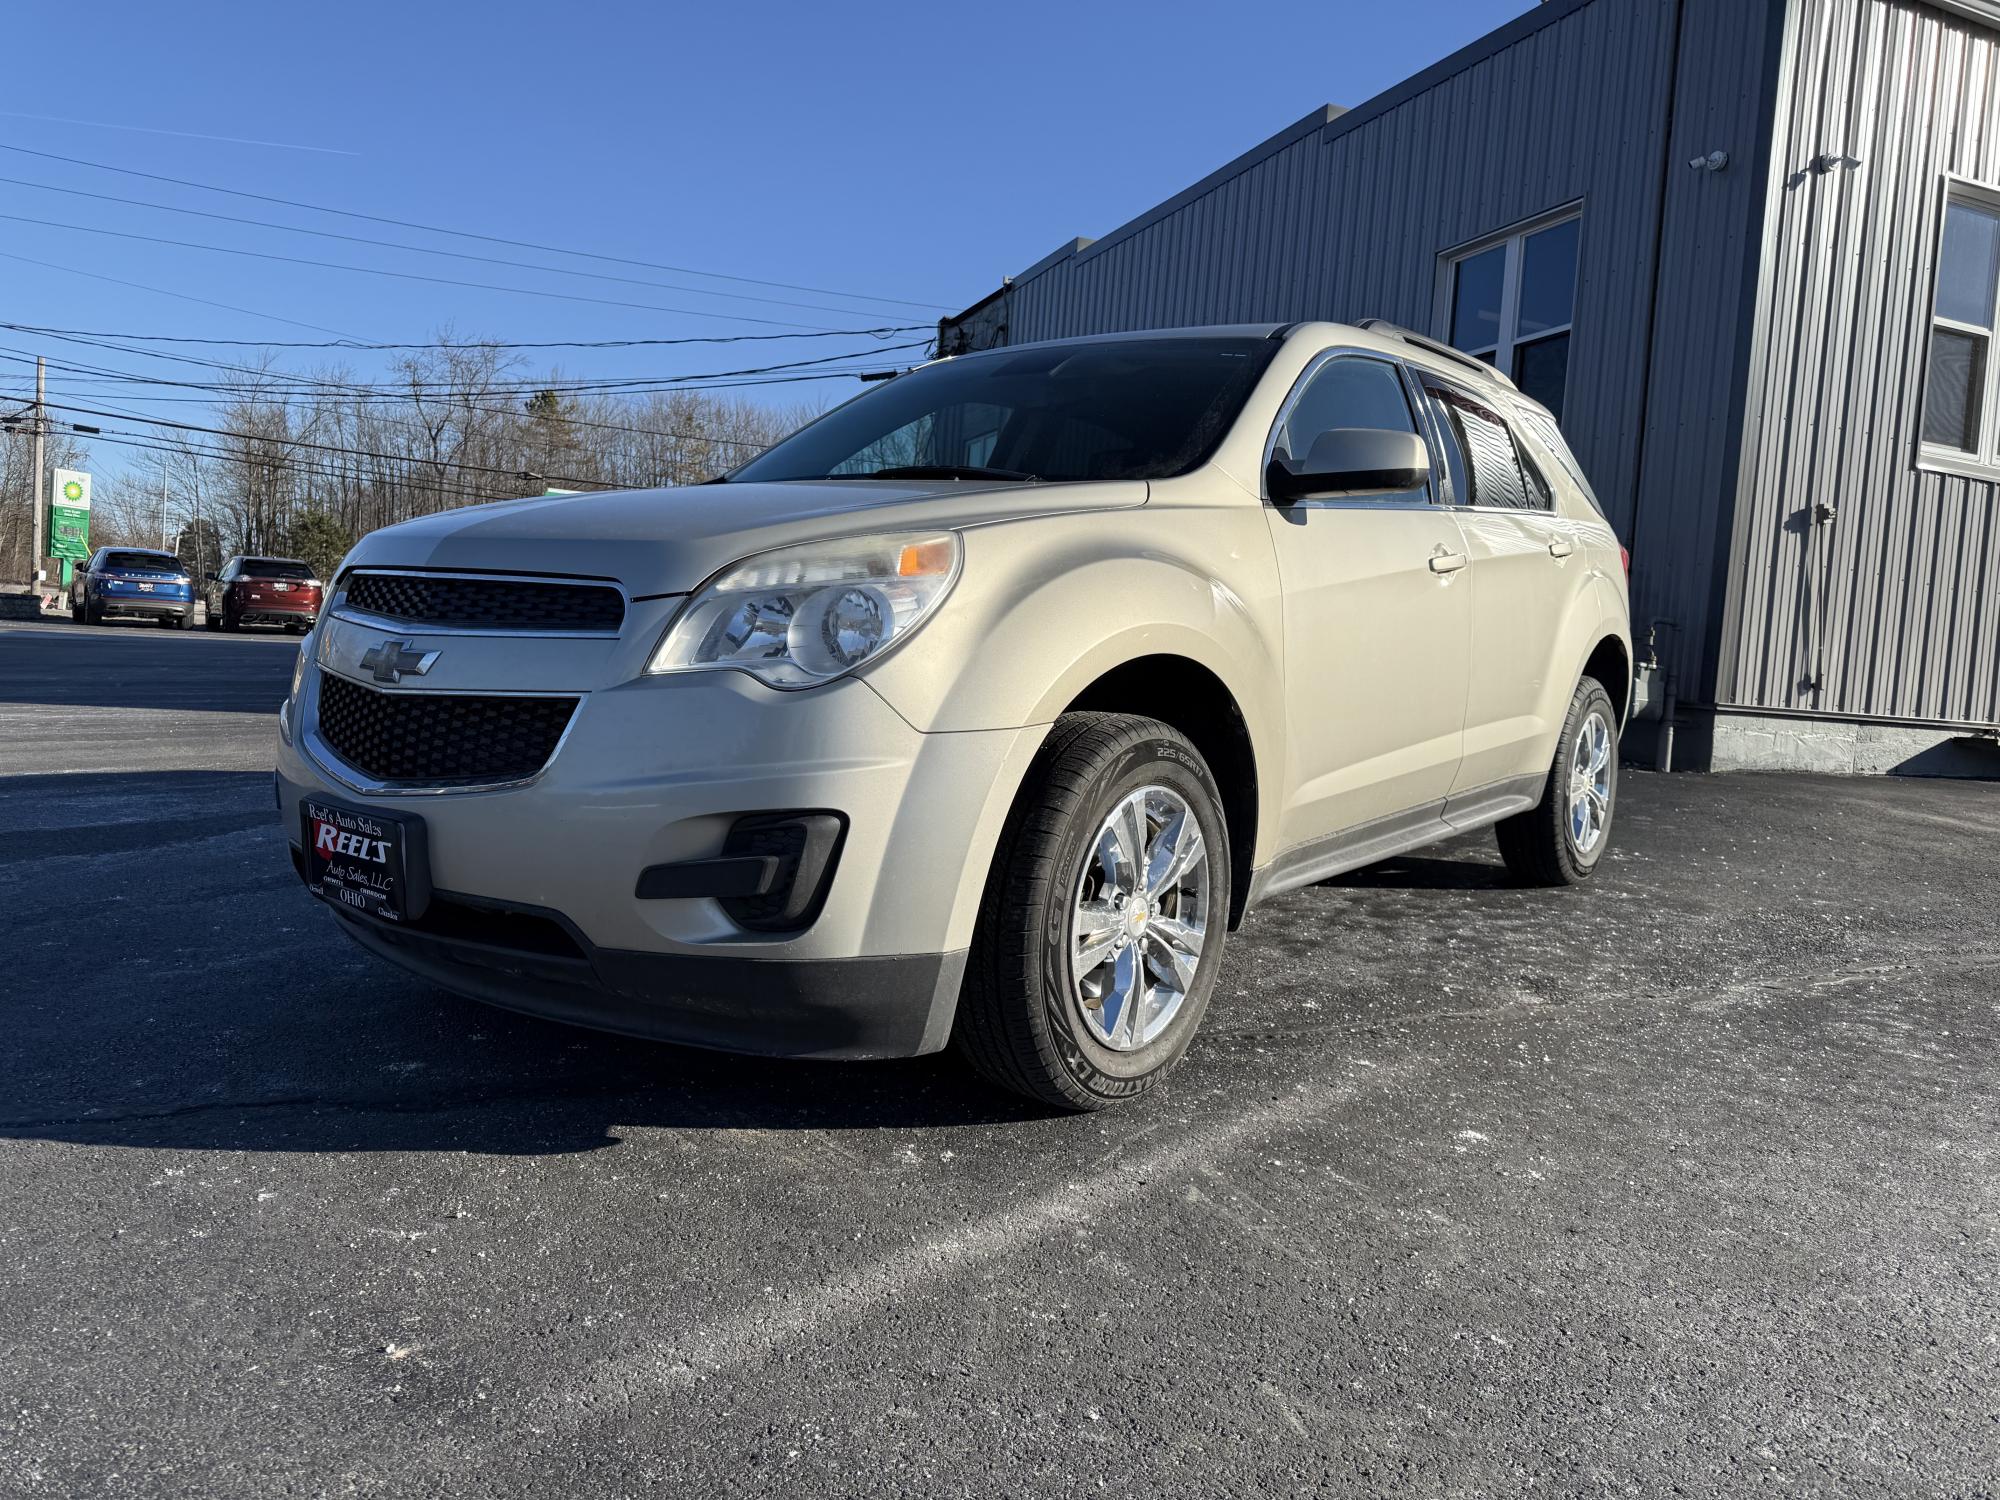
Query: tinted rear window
[[274, 567], [154, 562]]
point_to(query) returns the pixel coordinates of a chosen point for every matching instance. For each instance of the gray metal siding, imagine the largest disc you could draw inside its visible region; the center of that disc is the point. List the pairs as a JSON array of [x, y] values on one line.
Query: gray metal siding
[[1702, 306], [1892, 605], [1349, 221]]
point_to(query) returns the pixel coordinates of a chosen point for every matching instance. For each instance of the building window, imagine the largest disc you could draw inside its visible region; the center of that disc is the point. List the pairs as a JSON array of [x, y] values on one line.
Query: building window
[[1509, 300], [1959, 422]]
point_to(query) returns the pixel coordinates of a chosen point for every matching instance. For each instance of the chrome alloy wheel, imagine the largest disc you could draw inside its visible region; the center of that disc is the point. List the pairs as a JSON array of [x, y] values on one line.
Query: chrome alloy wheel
[[1590, 784], [1139, 918]]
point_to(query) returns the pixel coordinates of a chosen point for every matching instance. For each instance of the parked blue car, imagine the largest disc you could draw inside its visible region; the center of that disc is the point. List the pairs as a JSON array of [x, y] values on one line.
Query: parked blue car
[[133, 582]]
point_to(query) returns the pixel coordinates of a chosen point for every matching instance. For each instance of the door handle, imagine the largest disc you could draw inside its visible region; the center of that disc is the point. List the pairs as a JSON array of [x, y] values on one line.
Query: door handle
[[1447, 562], [1562, 546]]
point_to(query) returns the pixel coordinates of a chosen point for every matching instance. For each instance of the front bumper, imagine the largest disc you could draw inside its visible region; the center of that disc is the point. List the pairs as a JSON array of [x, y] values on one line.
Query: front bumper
[[894, 1006], [656, 771]]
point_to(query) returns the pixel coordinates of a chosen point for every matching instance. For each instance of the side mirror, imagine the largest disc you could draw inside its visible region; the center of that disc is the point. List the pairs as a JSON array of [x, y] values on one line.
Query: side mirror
[[210, 578], [1351, 461]]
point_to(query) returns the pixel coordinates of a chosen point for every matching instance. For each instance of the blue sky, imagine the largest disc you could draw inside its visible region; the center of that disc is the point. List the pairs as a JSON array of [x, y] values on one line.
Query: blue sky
[[896, 151]]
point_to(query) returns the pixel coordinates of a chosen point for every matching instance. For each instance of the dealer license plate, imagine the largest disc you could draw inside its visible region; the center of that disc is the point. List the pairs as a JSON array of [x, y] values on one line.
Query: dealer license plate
[[365, 861]]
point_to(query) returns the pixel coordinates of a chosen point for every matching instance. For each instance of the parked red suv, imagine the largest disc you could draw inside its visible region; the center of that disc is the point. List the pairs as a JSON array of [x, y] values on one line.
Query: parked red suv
[[262, 591]]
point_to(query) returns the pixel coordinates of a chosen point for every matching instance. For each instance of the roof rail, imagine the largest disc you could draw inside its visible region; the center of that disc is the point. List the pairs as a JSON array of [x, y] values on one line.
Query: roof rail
[[1386, 329]]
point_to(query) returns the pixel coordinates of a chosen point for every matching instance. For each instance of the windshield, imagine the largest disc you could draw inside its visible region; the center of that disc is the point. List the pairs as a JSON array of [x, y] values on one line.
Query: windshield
[[1121, 409], [141, 562], [273, 567]]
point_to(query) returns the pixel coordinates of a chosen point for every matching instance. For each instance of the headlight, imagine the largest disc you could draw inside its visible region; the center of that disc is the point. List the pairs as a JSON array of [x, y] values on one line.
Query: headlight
[[805, 615]]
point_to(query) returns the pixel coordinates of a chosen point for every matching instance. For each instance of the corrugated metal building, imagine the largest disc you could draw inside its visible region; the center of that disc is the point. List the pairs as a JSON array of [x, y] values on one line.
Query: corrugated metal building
[[1749, 251]]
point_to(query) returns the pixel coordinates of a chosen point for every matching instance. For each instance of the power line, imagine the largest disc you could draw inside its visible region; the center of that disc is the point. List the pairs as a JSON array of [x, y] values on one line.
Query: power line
[[282, 441], [255, 437], [140, 286], [315, 469], [447, 391], [334, 265], [491, 239], [267, 380], [346, 343], [360, 239]]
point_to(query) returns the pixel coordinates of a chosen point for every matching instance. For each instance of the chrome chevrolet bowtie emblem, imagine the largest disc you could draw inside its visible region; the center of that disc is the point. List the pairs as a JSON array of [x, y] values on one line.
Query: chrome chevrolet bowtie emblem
[[390, 660]]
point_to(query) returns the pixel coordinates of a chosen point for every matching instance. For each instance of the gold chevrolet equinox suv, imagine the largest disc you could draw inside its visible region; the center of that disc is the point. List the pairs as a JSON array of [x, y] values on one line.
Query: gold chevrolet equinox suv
[[979, 711]]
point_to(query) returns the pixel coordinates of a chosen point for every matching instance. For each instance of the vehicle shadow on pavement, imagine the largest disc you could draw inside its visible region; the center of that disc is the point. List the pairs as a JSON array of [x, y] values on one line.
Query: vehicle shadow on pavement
[[469, 1080], [1427, 874], [170, 983]]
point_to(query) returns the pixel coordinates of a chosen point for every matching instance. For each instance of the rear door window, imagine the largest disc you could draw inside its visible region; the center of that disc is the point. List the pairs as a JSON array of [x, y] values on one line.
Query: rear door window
[[1491, 458]]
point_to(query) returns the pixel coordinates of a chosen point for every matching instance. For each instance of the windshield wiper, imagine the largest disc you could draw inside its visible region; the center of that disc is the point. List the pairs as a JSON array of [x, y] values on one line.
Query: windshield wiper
[[938, 471]]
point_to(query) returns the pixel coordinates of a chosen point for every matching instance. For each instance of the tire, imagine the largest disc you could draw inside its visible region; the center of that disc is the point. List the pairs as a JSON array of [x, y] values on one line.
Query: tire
[[212, 621], [75, 611], [184, 622], [1023, 1020], [92, 615], [1550, 844], [229, 621]]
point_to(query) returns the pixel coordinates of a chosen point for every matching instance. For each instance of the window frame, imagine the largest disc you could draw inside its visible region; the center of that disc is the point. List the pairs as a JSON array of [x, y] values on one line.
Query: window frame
[[1983, 462], [1515, 238], [1420, 427]]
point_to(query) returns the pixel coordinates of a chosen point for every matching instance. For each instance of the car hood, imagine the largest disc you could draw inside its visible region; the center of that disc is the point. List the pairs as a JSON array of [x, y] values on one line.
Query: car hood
[[667, 541]]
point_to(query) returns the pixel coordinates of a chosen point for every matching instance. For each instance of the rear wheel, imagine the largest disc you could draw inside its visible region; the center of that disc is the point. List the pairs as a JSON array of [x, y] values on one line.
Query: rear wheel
[[1560, 840], [1102, 927]]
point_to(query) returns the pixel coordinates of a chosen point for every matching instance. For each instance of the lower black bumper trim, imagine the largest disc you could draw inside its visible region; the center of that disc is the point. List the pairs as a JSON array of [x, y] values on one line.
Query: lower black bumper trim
[[898, 1005]]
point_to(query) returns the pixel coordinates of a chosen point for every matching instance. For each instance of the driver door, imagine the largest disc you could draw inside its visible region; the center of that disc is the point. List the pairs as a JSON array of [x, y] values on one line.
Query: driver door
[[1378, 621]]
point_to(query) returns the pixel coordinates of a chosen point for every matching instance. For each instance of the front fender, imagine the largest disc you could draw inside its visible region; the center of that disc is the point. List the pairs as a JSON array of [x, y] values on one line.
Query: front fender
[[1046, 607]]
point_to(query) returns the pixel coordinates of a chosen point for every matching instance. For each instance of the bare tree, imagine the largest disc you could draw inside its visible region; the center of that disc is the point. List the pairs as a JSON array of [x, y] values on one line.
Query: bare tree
[[323, 455]]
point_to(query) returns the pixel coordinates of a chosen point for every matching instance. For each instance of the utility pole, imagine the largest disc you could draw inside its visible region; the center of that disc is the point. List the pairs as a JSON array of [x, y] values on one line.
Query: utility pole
[[35, 485], [200, 552]]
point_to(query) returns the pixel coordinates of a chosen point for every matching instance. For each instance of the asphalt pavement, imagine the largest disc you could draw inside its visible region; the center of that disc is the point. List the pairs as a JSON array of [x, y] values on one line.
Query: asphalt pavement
[[1687, 1184]]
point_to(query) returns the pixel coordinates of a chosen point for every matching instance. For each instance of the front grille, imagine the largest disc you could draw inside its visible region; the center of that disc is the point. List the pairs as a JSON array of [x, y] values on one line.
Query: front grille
[[487, 603], [439, 738]]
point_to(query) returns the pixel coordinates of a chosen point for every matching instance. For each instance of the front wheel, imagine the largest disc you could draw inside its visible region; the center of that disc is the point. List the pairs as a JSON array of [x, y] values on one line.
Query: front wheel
[[1102, 927], [1560, 840]]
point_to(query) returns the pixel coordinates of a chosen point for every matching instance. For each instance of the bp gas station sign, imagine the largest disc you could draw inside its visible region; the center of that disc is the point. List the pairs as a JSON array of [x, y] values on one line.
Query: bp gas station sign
[[69, 518]]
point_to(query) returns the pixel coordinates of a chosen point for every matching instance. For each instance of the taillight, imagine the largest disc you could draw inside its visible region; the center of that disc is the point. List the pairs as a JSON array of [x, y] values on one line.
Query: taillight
[[1625, 560]]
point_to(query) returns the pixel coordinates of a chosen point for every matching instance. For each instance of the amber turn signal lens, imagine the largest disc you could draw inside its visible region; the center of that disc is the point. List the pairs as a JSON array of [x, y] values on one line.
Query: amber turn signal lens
[[924, 559]]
